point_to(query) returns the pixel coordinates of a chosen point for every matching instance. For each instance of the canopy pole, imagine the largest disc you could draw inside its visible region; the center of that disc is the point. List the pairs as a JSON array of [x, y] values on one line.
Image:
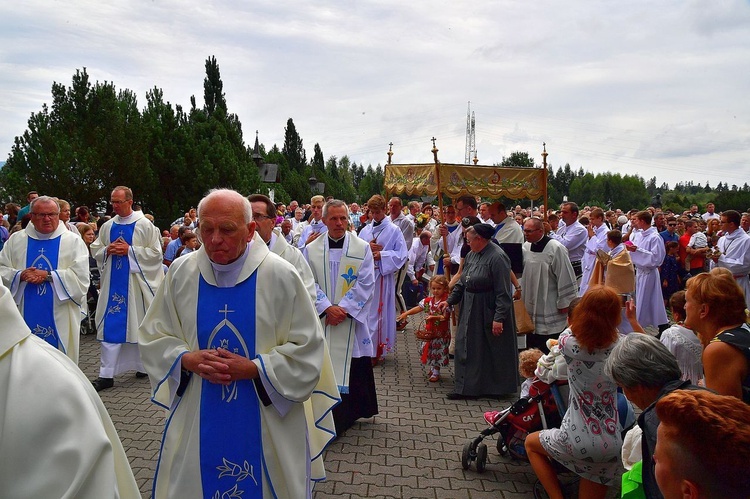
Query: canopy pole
[[447, 268], [544, 179]]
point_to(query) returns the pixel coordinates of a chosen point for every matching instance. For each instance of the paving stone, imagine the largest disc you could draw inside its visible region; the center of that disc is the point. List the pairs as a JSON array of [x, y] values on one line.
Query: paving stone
[[412, 449]]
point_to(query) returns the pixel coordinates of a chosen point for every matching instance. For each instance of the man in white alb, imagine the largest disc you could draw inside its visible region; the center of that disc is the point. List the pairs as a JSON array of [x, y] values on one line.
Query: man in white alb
[[128, 254], [46, 268], [233, 348]]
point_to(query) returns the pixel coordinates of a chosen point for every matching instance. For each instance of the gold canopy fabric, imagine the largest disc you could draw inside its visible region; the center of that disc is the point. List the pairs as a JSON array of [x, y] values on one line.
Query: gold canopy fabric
[[458, 180]]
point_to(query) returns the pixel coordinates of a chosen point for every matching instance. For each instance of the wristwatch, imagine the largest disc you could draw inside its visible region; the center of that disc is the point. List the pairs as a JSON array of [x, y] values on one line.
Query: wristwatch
[[49, 277]]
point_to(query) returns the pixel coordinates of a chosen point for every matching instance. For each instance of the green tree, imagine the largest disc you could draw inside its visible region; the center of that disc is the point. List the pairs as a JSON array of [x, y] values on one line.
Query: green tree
[[293, 150], [518, 159], [87, 142]]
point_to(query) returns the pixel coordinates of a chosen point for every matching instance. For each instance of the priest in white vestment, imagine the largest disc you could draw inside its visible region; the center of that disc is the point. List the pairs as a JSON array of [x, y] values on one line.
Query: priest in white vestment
[[317, 408], [549, 284], [233, 348], [571, 234], [128, 254], [46, 268], [734, 249], [343, 268], [314, 226], [56, 437], [647, 253], [450, 229], [597, 240], [389, 252], [509, 234]]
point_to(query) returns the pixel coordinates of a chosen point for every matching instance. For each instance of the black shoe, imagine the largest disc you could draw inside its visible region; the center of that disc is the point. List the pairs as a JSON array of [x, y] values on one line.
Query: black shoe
[[140, 374], [458, 396], [103, 383]]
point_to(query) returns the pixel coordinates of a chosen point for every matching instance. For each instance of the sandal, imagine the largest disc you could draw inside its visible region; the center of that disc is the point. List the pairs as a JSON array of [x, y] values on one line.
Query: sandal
[[434, 376]]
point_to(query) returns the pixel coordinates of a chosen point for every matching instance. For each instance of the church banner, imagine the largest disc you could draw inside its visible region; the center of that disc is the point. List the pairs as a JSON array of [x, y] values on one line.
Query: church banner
[[457, 180]]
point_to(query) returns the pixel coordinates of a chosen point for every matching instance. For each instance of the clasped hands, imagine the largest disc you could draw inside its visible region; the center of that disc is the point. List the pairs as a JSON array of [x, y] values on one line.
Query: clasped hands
[[335, 315], [219, 366], [33, 275], [118, 247]]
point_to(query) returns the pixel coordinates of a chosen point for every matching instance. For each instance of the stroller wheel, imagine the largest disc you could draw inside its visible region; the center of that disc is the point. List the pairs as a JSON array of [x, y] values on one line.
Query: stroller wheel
[[466, 455], [501, 448], [481, 458]]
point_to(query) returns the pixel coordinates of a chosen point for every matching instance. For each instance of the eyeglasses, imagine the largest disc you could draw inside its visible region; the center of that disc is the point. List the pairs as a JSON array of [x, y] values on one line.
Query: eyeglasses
[[672, 225], [45, 215], [260, 216]]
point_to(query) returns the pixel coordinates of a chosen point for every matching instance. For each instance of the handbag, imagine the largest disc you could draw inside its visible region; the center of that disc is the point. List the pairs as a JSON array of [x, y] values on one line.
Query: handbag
[[524, 324]]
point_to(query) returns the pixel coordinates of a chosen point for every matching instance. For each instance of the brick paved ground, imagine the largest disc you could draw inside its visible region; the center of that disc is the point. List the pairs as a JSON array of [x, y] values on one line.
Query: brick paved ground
[[410, 450]]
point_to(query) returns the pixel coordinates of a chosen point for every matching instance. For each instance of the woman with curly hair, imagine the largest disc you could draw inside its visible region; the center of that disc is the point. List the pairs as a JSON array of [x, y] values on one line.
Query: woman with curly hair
[[588, 441]]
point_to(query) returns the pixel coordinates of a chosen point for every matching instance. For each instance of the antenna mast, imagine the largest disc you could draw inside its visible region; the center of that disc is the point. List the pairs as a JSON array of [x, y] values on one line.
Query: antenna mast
[[471, 140]]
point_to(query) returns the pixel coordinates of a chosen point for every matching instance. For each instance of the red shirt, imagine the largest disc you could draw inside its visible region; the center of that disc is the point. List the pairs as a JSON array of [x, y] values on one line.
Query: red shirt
[[697, 261]]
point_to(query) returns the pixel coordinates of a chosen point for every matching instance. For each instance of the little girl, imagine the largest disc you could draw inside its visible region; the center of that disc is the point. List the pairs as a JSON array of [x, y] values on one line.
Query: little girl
[[435, 351], [527, 362]]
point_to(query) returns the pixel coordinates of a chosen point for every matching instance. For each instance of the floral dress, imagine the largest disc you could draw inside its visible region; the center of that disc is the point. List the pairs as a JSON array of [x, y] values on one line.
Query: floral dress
[[588, 441], [435, 352]]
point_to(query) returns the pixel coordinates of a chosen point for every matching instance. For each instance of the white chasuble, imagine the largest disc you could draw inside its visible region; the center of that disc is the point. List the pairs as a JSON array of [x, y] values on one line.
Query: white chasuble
[[268, 316], [344, 277], [57, 439], [52, 310], [144, 274]]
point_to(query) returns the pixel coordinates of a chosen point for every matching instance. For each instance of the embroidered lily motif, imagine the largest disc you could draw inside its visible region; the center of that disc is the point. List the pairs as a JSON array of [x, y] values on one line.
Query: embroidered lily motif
[[43, 332], [349, 276], [236, 471]]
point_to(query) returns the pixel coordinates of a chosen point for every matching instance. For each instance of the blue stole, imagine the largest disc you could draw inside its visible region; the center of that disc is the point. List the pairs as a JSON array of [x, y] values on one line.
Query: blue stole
[[440, 270], [498, 227], [116, 318], [231, 447], [39, 299]]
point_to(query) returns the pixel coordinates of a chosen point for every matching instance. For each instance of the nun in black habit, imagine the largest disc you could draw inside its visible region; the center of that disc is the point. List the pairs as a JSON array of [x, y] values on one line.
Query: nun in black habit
[[486, 356]]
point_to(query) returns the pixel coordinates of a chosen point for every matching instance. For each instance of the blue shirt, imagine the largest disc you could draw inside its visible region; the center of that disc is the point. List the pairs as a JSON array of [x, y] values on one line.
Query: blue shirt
[[172, 248], [669, 237]]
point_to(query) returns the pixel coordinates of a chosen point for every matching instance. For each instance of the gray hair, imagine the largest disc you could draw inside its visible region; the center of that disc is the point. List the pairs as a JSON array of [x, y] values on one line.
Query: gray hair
[[44, 199], [334, 203], [247, 208], [641, 360]]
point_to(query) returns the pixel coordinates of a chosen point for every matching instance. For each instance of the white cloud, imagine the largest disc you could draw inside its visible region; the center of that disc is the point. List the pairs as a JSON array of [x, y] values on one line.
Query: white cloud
[[654, 88]]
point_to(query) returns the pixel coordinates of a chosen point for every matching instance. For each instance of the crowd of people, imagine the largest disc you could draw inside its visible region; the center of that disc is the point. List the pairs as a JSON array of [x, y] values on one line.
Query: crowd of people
[[260, 325]]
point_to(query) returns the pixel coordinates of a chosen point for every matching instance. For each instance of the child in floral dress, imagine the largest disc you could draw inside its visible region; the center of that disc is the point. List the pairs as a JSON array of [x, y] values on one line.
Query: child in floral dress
[[435, 351]]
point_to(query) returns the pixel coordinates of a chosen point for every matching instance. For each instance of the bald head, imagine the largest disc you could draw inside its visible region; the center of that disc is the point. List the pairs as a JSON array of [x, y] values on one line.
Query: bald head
[[229, 197], [226, 225]]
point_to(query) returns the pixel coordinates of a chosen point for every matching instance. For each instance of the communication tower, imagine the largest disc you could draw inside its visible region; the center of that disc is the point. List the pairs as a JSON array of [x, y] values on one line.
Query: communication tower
[[471, 139]]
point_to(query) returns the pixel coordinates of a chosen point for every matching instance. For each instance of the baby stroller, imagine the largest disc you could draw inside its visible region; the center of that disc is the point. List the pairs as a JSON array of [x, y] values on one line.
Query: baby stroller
[[88, 324], [543, 408]]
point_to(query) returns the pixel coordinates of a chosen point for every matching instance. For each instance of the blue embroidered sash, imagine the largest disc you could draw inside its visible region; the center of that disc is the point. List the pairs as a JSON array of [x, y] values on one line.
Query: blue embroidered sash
[[39, 299], [231, 447], [116, 318], [440, 270]]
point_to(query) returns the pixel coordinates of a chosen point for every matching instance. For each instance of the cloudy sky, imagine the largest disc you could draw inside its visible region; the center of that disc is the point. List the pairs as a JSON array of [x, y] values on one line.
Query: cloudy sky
[[653, 88]]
